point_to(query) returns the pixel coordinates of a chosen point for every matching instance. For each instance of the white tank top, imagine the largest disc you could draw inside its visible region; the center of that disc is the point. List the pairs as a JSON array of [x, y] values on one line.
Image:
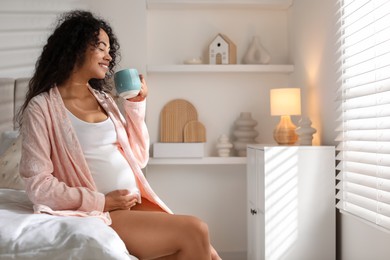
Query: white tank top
[[109, 168]]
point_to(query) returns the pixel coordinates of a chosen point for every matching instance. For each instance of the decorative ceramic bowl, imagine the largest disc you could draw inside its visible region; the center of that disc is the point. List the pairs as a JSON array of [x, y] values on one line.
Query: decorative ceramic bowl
[[193, 61]]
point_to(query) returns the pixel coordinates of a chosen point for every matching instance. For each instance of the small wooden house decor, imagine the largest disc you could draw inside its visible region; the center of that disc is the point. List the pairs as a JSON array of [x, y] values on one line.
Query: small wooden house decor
[[222, 50]]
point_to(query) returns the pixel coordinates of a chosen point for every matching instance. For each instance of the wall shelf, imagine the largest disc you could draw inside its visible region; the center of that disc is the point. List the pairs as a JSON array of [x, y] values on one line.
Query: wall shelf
[[198, 161], [188, 18], [191, 4], [273, 68]]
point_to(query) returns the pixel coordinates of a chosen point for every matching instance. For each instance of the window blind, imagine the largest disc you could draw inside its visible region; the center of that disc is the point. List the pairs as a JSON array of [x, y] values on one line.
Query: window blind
[[363, 169], [24, 28]]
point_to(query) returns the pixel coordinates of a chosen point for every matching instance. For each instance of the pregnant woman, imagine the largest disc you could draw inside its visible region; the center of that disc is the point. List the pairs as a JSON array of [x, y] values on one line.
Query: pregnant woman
[[82, 157]]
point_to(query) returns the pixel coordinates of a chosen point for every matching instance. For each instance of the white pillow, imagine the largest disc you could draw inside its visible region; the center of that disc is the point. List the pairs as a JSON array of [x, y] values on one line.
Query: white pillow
[[9, 166], [7, 139]]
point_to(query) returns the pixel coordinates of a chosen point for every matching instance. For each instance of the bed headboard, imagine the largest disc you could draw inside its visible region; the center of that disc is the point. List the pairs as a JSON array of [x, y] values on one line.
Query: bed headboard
[[12, 94]]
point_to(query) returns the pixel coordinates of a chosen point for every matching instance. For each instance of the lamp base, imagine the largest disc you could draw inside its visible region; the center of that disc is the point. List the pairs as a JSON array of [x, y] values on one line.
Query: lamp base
[[284, 132]]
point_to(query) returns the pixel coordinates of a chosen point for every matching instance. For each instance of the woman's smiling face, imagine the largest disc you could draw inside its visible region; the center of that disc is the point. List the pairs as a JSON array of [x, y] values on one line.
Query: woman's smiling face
[[97, 58]]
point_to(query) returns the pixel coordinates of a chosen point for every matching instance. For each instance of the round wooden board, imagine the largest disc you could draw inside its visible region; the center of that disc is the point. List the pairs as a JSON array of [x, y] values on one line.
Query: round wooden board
[[194, 132], [174, 116]]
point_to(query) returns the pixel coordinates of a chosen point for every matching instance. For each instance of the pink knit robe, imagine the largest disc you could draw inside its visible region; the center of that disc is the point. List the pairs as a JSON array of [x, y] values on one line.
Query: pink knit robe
[[53, 166]]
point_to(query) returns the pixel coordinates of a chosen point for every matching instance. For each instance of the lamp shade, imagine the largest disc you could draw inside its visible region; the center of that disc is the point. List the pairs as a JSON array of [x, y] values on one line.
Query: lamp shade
[[285, 101]]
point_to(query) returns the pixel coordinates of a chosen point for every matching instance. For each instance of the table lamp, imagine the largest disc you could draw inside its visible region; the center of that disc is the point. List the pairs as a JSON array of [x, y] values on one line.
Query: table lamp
[[285, 102]]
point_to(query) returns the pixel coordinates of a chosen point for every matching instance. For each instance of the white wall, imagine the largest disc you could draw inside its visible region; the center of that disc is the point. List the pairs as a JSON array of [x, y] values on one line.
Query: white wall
[[176, 35], [314, 55], [128, 20]]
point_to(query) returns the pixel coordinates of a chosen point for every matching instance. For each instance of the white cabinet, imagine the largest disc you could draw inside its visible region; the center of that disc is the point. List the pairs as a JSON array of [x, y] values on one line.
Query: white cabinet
[[290, 202]]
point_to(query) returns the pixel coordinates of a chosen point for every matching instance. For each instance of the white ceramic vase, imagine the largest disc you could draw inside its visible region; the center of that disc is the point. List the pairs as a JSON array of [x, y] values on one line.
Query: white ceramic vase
[[256, 53], [244, 133], [224, 146], [305, 132]]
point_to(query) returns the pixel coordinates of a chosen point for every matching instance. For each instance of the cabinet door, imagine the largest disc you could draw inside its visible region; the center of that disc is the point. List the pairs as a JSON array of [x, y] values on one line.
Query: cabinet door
[[299, 203], [252, 178], [256, 250], [255, 213]]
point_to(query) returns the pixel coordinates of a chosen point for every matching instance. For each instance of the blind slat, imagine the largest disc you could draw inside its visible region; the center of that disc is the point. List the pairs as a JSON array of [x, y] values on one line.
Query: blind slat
[[362, 113], [363, 157], [364, 146], [347, 92], [364, 124], [349, 85], [348, 167], [365, 183], [364, 135], [381, 195]]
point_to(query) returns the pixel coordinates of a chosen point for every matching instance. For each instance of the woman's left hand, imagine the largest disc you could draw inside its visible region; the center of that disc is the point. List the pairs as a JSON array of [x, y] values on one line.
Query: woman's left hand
[[142, 93]]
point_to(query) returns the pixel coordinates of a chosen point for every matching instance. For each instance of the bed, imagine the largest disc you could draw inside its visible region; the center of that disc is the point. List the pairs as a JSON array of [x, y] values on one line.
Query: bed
[[24, 235]]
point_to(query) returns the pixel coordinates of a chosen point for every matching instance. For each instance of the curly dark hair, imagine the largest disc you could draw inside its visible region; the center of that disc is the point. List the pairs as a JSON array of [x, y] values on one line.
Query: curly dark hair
[[65, 48]]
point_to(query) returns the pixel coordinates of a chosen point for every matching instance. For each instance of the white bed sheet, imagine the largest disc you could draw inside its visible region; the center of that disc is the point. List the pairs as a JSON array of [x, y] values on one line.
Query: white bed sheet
[[24, 235]]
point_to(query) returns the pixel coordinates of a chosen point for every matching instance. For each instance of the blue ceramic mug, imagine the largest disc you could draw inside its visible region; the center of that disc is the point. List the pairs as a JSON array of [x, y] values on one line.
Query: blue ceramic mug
[[127, 83]]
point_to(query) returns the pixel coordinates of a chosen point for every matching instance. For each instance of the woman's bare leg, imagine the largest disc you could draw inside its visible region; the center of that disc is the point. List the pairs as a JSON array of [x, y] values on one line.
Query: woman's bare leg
[[148, 206], [151, 234]]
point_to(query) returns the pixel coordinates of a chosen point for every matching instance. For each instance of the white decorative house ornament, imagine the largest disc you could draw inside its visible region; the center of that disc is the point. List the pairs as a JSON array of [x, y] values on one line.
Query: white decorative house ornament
[[256, 53], [305, 132], [244, 132], [224, 146], [222, 51]]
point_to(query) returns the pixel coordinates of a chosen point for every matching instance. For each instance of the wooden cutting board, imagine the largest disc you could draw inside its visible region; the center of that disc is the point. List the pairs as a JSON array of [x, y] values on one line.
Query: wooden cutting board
[[194, 132], [174, 116]]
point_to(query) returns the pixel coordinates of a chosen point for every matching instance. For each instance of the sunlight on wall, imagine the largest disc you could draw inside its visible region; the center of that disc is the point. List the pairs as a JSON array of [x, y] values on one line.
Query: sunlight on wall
[[312, 94], [281, 202], [311, 53]]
